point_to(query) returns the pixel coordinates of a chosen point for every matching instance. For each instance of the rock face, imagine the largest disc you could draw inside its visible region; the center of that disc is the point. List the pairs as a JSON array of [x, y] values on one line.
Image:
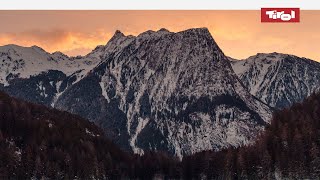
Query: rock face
[[278, 79], [165, 91]]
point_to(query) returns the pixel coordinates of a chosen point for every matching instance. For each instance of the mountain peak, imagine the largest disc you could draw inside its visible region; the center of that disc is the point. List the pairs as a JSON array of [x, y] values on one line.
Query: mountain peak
[[190, 33], [12, 47], [267, 54], [117, 36], [118, 33], [179, 69], [199, 29], [37, 48], [60, 54], [163, 30], [196, 33], [147, 33], [202, 31], [261, 57]]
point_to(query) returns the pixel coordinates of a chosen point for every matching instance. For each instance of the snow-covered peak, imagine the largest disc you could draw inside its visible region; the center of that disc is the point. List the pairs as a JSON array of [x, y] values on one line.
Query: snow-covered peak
[[261, 61], [23, 62], [278, 79], [153, 34], [163, 32], [31, 54], [119, 40], [15, 50], [60, 56], [265, 57]]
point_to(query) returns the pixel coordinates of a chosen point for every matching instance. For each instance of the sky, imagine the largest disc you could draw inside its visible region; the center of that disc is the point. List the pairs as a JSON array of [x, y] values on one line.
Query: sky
[[239, 34]]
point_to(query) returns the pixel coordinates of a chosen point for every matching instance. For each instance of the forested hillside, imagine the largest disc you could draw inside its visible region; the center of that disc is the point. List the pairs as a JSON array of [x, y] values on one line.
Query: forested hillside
[[38, 142]]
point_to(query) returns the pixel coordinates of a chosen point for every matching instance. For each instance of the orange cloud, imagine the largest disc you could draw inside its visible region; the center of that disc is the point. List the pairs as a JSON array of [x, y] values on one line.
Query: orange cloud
[[71, 43]]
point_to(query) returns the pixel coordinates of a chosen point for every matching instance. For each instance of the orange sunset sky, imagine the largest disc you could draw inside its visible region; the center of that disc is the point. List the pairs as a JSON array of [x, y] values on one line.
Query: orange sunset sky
[[238, 33]]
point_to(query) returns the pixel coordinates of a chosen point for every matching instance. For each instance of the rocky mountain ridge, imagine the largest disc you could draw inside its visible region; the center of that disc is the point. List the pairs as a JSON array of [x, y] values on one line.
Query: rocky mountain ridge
[[278, 79]]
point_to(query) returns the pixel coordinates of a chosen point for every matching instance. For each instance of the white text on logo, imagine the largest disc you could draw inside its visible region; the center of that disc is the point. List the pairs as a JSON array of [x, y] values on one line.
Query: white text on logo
[[281, 15]]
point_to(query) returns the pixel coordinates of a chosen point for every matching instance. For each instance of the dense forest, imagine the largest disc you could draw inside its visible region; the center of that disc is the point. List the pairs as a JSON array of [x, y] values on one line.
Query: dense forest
[[39, 142]]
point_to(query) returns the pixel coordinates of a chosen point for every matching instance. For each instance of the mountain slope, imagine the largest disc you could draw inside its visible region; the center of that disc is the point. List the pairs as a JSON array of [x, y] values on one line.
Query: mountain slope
[[41, 143], [278, 79], [167, 91], [289, 148]]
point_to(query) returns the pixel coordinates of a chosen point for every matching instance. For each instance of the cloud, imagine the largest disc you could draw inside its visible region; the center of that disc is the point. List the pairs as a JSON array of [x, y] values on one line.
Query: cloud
[[69, 42], [239, 33]]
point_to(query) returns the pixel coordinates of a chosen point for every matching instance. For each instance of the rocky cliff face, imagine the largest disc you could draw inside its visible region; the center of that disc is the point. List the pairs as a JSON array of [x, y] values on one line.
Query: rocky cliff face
[[278, 79], [167, 91]]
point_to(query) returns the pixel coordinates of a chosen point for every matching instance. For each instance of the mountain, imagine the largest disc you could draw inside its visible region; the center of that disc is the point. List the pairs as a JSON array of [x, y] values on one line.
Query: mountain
[[38, 76], [278, 79], [160, 91], [165, 91]]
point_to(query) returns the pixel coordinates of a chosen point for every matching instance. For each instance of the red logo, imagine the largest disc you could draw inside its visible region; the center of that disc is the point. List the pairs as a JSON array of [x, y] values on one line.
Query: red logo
[[280, 15]]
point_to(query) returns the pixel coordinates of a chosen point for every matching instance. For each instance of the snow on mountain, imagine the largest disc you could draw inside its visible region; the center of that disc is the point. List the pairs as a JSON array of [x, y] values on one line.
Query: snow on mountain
[[167, 91], [278, 79], [35, 75], [23, 62]]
